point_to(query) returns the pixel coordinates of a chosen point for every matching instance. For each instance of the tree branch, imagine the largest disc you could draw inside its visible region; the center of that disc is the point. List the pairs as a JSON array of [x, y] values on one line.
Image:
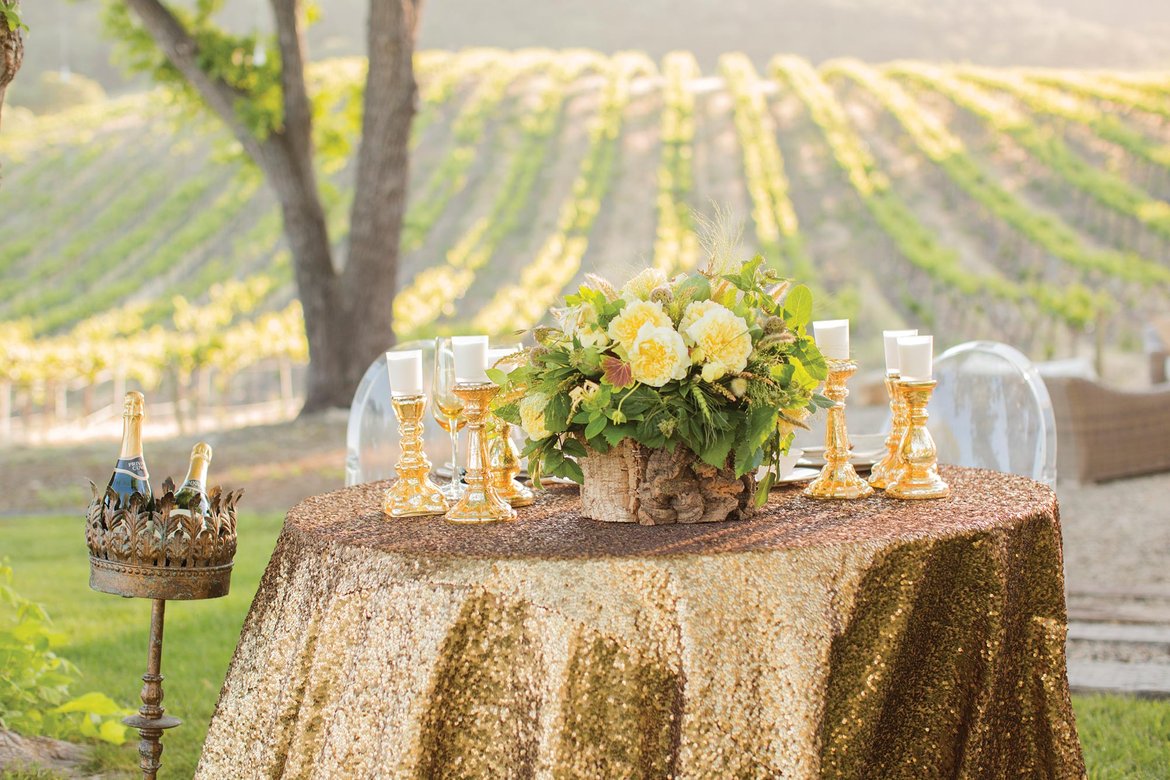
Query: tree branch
[[383, 159], [298, 112], [183, 52]]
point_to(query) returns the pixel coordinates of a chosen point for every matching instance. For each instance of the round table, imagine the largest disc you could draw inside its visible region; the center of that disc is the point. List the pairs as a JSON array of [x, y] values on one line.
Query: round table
[[871, 638]]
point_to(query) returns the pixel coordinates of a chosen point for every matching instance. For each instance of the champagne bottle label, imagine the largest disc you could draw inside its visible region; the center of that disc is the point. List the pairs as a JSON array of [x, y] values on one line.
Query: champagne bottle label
[[132, 467]]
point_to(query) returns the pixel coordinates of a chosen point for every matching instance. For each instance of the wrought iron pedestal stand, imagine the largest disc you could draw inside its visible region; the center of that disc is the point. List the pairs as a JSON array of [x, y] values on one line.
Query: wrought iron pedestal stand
[[160, 552]]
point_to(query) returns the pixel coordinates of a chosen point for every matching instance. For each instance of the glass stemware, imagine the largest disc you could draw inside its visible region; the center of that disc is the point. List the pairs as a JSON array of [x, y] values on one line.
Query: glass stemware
[[447, 409]]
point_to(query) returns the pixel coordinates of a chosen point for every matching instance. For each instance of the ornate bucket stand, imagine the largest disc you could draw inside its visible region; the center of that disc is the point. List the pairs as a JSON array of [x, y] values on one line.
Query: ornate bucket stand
[[160, 553]]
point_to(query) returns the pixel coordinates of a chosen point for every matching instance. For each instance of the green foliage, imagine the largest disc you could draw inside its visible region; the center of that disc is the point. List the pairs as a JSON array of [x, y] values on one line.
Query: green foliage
[[223, 55], [732, 398], [11, 16], [433, 291], [1046, 146], [35, 681]]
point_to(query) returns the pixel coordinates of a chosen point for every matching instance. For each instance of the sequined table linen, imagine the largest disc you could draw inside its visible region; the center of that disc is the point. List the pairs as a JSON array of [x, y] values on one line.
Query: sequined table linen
[[867, 639]]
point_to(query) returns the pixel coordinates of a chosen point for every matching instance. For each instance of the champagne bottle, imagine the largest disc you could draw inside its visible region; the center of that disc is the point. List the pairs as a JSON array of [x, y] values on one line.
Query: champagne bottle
[[192, 495], [130, 474]]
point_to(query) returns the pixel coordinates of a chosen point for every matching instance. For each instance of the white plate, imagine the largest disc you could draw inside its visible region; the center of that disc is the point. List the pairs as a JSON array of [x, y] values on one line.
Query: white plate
[[798, 475], [864, 461]]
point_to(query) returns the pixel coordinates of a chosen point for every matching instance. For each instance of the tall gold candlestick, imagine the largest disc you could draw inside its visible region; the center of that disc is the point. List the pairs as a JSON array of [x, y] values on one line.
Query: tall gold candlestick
[[413, 493], [504, 465], [919, 479], [886, 470], [838, 479], [480, 503]]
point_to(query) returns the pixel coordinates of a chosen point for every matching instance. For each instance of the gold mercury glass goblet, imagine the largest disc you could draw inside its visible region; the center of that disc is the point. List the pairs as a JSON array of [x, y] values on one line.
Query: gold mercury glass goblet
[[838, 479], [919, 479], [413, 493], [886, 470], [504, 465], [480, 502], [448, 411]]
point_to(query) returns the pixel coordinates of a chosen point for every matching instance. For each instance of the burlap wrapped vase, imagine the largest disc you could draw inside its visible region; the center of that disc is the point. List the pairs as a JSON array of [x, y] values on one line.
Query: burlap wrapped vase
[[635, 484]]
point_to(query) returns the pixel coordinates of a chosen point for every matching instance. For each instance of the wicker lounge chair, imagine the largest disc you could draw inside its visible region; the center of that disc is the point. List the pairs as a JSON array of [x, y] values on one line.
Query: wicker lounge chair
[[1157, 345], [1106, 433]]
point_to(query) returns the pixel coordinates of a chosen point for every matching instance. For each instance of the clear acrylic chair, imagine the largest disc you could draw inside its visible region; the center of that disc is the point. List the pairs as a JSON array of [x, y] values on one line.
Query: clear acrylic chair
[[371, 437], [991, 410]]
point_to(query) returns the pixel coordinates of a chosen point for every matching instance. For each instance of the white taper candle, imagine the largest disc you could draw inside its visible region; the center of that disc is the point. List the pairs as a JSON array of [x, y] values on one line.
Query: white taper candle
[[405, 370], [916, 357], [832, 337], [890, 342]]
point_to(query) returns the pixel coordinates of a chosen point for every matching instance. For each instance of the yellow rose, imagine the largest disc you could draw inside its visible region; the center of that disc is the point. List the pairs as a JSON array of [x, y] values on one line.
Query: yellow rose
[[532, 416], [640, 287], [658, 355], [693, 314], [722, 338], [624, 328]]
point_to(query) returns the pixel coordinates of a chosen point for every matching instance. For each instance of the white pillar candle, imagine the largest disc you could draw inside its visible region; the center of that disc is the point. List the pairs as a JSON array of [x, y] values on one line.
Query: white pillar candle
[[832, 337], [890, 341], [915, 357], [496, 354], [405, 369], [471, 360]]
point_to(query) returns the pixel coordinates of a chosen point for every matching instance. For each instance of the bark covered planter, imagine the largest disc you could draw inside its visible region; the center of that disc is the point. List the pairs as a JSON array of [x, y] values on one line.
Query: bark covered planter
[[635, 484]]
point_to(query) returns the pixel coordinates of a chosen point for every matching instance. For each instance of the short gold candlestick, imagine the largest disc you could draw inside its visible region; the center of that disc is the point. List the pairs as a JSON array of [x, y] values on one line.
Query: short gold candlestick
[[919, 479], [838, 479], [413, 493], [504, 465], [886, 470], [480, 503]]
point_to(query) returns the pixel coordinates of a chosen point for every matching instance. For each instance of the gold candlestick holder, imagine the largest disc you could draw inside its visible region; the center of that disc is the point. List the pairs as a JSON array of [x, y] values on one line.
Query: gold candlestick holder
[[504, 465], [413, 493], [838, 479], [480, 503], [919, 479], [887, 469]]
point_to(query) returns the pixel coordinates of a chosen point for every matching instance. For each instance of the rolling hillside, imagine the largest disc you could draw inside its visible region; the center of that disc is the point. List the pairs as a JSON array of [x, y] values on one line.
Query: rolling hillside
[[1024, 205]]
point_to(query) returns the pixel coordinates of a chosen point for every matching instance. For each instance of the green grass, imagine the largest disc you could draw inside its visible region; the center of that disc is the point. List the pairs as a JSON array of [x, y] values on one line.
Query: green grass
[[107, 634], [1123, 738]]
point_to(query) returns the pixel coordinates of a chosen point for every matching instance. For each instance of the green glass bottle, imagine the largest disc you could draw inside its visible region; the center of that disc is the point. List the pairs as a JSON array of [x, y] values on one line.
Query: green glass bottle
[[191, 497], [130, 475]]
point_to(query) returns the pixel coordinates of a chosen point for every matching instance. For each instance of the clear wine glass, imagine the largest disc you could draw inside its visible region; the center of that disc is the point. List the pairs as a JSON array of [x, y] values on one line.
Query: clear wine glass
[[447, 409]]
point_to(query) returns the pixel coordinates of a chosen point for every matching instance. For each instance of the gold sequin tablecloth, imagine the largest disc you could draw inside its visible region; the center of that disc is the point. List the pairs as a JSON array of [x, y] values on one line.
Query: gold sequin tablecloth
[[865, 639]]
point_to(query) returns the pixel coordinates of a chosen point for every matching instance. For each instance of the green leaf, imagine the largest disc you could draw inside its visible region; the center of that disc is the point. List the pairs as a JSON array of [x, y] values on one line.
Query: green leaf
[[572, 447], [595, 426], [716, 454], [615, 433], [761, 424], [556, 414], [498, 376], [695, 288], [798, 306], [764, 488], [92, 703], [571, 470], [113, 732]]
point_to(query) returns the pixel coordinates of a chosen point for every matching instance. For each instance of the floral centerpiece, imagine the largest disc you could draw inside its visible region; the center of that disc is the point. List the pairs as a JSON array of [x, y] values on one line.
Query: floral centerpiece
[[665, 397]]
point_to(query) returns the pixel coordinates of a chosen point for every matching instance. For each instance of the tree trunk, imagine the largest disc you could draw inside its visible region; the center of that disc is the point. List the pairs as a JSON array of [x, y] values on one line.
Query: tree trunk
[[370, 278], [348, 313], [11, 54]]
